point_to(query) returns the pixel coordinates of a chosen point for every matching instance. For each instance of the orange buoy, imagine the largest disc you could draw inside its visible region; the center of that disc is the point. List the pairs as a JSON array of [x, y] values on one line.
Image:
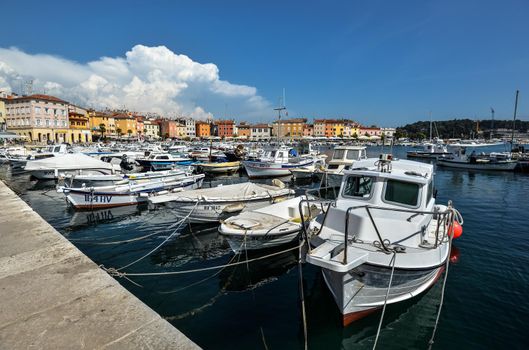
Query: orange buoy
[[456, 230]]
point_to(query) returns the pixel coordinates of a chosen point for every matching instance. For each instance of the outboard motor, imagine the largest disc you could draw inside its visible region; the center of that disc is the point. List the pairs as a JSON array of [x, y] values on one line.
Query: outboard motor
[[125, 164]]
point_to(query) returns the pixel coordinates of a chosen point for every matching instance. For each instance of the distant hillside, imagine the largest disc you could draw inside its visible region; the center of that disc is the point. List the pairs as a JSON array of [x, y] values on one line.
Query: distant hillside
[[457, 128]]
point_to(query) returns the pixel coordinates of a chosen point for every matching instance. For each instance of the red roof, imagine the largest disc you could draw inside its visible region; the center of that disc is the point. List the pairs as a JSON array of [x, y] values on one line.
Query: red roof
[[39, 97]]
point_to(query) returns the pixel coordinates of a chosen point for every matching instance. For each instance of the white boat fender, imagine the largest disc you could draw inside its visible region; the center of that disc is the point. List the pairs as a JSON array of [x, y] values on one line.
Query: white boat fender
[[144, 194], [278, 183]]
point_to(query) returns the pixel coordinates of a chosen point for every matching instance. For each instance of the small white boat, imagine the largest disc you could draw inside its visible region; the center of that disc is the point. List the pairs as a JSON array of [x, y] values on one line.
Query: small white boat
[[219, 168], [384, 226], [342, 159], [276, 163], [128, 194], [308, 171], [162, 161], [267, 227], [217, 203], [96, 180], [73, 164], [431, 150], [473, 161]]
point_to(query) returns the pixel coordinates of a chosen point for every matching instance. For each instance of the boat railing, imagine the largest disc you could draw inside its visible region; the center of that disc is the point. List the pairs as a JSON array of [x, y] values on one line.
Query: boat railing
[[442, 217]]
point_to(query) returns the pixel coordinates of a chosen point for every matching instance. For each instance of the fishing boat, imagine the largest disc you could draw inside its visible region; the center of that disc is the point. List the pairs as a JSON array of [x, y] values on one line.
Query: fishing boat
[[474, 161], [73, 164], [342, 159], [276, 162], [218, 168], [95, 180], [309, 171], [430, 150], [162, 161], [384, 240], [217, 203], [267, 227], [127, 194]]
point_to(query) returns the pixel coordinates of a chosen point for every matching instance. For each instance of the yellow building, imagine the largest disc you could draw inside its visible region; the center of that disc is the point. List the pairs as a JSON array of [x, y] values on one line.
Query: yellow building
[[289, 128], [79, 125], [126, 125], [102, 124]]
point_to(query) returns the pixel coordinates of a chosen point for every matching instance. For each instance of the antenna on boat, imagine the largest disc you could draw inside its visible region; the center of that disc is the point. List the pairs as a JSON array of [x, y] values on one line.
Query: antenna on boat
[[492, 122], [279, 109], [514, 119]]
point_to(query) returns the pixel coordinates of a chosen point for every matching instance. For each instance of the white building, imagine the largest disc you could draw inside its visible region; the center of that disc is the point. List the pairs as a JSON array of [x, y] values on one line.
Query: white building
[[260, 132], [189, 124], [151, 130]]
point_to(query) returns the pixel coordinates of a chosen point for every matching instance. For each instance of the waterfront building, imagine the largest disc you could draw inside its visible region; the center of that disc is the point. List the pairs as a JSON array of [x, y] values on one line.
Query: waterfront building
[[140, 126], [203, 129], [289, 128], [39, 118], [102, 124], [225, 128], [2, 111], [319, 127], [308, 130], [151, 130], [79, 125], [126, 124], [351, 129], [388, 133], [189, 124], [168, 128], [260, 132], [244, 130], [370, 131]]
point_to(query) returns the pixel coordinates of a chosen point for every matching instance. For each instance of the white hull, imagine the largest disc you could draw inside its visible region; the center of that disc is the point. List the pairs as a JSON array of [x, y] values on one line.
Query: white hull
[[84, 198], [238, 244], [215, 211], [363, 289], [269, 169], [54, 174]]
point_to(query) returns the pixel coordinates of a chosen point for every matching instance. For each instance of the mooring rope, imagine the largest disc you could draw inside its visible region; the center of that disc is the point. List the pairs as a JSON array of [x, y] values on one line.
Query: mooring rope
[[393, 260]]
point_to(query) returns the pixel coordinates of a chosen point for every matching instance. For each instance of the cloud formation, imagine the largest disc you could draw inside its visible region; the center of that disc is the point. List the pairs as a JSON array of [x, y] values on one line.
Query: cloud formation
[[147, 79]]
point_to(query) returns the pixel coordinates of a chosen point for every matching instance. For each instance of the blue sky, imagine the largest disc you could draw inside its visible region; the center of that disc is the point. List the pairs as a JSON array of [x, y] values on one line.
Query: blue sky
[[379, 62]]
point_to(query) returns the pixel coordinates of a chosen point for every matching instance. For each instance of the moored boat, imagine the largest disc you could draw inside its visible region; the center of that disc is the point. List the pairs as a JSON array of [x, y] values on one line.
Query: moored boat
[[384, 240], [277, 162], [473, 161], [218, 203]]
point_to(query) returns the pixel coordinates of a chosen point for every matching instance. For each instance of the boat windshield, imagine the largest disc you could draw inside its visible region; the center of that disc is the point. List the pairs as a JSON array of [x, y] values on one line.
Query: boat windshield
[[400, 192], [353, 154], [358, 186], [338, 154]]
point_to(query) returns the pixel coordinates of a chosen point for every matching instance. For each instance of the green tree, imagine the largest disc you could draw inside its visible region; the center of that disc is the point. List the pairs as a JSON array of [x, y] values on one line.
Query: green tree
[[118, 130], [129, 132], [102, 129]]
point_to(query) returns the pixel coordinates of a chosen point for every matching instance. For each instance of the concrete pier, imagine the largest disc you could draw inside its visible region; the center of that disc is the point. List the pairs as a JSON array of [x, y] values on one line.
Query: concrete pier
[[54, 297]]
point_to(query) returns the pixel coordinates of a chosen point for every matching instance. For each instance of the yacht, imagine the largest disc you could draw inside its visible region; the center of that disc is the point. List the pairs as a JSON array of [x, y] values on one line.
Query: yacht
[[384, 239], [474, 161]]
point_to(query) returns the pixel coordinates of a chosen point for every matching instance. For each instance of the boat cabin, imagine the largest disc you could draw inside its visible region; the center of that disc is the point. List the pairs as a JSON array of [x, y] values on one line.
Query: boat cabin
[[344, 157], [398, 184]]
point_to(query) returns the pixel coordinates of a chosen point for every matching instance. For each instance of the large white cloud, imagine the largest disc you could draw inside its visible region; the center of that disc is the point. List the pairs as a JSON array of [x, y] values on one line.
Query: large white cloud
[[146, 79]]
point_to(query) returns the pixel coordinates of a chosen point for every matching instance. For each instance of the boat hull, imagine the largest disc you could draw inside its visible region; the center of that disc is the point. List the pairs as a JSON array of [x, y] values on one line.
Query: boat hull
[[239, 243], [86, 199], [208, 212], [268, 169], [497, 166], [54, 174], [362, 290]]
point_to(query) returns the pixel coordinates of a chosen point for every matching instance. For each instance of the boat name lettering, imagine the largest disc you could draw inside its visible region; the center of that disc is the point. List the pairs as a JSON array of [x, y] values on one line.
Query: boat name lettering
[[98, 198]]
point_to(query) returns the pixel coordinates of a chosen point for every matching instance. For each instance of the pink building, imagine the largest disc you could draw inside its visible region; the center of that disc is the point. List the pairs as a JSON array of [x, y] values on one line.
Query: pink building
[[365, 131]]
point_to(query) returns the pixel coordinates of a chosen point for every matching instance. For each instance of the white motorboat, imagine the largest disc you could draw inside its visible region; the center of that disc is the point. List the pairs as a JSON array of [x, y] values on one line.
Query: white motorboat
[[95, 180], [277, 162], [218, 203], [473, 161], [162, 161], [127, 194], [74, 164], [219, 167], [342, 159], [430, 150], [309, 171], [267, 227], [384, 226]]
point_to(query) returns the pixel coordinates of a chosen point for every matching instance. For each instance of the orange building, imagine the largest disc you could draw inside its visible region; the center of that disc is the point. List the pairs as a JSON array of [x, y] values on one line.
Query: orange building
[[224, 128], [203, 129], [244, 130]]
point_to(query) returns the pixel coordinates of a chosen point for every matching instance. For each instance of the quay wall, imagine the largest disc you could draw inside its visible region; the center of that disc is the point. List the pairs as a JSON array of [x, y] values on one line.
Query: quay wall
[[52, 296]]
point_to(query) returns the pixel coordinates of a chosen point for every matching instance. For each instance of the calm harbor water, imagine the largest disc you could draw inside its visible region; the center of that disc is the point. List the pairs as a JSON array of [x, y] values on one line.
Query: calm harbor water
[[257, 305]]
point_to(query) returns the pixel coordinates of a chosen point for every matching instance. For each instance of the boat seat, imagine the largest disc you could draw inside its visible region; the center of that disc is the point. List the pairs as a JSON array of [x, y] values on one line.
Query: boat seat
[[329, 255]]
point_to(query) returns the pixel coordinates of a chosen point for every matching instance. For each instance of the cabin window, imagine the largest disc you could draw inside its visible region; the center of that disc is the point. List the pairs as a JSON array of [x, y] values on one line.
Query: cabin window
[[57, 149], [163, 157], [429, 194], [338, 154], [358, 186], [401, 192], [352, 155], [332, 166]]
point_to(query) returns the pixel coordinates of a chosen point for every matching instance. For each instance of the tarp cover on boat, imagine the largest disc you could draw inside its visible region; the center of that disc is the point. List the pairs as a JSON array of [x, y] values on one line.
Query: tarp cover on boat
[[229, 193], [67, 162]]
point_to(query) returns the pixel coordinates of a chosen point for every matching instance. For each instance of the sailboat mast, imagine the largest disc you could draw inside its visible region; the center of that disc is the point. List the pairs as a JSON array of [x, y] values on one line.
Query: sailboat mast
[[279, 109], [430, 126], [514, 118]]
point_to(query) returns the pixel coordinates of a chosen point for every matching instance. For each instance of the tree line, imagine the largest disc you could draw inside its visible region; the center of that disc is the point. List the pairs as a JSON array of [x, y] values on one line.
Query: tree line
[[457, 128]]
